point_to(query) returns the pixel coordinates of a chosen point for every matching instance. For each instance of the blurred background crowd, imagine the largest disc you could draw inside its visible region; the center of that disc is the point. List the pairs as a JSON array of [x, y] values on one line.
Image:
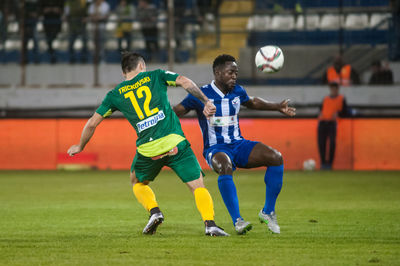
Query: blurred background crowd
[[320, 39], [51, 31]]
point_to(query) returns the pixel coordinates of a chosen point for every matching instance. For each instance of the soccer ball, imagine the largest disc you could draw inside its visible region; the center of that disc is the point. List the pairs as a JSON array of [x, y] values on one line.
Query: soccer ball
[[269, 59], [309, 165]]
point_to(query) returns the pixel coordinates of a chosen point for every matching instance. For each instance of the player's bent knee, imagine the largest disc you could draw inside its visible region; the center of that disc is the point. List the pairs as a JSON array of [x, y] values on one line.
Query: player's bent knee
[[276, 159], [195, 184], [225, 169], [134, 180], [222, 164]]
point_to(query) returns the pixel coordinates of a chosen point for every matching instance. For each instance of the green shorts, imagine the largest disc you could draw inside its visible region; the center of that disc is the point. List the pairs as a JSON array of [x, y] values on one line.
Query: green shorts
[[184, 164]]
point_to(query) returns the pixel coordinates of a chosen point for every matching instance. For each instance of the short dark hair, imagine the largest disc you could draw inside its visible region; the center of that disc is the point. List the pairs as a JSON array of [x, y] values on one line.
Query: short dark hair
[[334, 84], [130, 61], [221, 60]]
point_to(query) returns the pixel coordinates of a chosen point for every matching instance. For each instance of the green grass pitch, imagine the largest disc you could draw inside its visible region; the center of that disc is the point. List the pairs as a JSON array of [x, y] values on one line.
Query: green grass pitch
[[92, 218]]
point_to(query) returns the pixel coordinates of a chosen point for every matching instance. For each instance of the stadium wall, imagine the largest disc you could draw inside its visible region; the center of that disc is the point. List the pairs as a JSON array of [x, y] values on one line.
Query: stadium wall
[[362, 144]]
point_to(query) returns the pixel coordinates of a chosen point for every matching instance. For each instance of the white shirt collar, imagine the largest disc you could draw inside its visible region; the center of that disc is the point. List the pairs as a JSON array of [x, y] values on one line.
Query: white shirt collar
[[215, 88]]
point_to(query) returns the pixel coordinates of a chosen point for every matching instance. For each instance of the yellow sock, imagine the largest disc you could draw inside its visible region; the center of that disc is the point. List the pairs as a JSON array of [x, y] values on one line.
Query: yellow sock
[[204, 203], [145, 196]]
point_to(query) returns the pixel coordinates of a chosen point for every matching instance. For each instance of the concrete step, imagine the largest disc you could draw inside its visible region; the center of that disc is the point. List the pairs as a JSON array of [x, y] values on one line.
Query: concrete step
[[237, 40], [236, 6], [233, 23], [206, 39], [230, 43]]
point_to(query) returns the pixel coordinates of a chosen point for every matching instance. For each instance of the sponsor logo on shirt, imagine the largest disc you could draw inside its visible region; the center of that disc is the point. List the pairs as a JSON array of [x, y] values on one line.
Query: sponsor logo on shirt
[[220, 121], [150, 121], [235, 101]]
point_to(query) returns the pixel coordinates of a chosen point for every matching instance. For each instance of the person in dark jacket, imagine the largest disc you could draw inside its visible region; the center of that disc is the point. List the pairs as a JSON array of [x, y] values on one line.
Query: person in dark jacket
[[333, 106], [52, 12], [380, 75]]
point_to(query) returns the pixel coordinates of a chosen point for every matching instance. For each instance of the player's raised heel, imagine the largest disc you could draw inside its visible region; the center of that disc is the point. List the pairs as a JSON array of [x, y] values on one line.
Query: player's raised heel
[[241, 226], [213, 230], [270, 220], [154, 221]]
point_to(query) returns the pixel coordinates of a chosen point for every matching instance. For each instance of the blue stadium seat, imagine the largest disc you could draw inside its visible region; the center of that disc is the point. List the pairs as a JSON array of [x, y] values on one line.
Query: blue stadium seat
[[289, 4], [372, 37]]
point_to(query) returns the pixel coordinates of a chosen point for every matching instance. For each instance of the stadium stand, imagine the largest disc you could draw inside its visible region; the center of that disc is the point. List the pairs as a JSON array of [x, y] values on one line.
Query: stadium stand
[[10, 50], [310, 31], [289, 4], [308, 22], [315, 29], [358, 29]]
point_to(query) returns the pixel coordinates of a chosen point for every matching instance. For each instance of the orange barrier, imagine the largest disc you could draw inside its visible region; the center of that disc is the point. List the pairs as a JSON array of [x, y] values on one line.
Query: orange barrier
[[362, 144], [376, 144]]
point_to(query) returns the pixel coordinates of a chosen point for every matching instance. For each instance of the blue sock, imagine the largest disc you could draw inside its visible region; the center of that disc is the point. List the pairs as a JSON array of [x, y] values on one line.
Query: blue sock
[[273, 181], [228, 192]]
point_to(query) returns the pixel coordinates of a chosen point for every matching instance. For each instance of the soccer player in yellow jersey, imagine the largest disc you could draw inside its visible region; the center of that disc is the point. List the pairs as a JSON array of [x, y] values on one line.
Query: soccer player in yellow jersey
[[142, 99]]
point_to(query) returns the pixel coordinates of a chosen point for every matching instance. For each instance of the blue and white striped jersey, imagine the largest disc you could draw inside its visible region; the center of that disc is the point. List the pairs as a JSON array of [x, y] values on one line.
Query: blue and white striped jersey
[[223, 127]]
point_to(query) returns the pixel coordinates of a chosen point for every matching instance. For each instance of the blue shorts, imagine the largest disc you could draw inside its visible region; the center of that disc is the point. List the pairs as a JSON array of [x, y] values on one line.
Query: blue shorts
[[238, 151]]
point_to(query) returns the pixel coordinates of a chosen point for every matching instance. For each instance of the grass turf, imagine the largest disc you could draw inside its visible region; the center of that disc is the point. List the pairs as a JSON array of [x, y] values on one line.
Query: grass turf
[[92, 218]]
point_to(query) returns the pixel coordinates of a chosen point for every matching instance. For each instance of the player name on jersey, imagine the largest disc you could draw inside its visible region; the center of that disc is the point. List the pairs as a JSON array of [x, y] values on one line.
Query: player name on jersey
[[150, 121], [134, 86]]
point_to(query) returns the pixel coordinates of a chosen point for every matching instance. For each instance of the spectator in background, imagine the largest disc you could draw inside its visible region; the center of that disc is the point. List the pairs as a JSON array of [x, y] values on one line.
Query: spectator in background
[[125, 13], [278, 6], [148, 15], [3, 21], [3, 28], [76, 12], [206, 6], [189, 14], [4, 12], [8, 12], [341, 73], [113, 4], [333, 106], [52, 12], [98, 12], [394, 37], [380, 75], [159, 4], [180, 22], [31, 15]]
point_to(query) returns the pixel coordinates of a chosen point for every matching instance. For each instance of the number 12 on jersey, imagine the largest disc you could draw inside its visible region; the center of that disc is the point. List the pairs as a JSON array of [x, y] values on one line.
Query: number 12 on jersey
[[146, 104]]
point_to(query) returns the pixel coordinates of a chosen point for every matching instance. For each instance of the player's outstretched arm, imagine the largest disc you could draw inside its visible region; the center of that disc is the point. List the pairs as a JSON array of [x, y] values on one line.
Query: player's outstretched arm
[[87, 134], [192, 88], [257, 103], [180, 110]]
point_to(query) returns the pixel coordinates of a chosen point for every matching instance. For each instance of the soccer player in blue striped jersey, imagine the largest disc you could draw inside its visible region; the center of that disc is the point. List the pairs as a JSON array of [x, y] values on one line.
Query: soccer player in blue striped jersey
[[224, 147]]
